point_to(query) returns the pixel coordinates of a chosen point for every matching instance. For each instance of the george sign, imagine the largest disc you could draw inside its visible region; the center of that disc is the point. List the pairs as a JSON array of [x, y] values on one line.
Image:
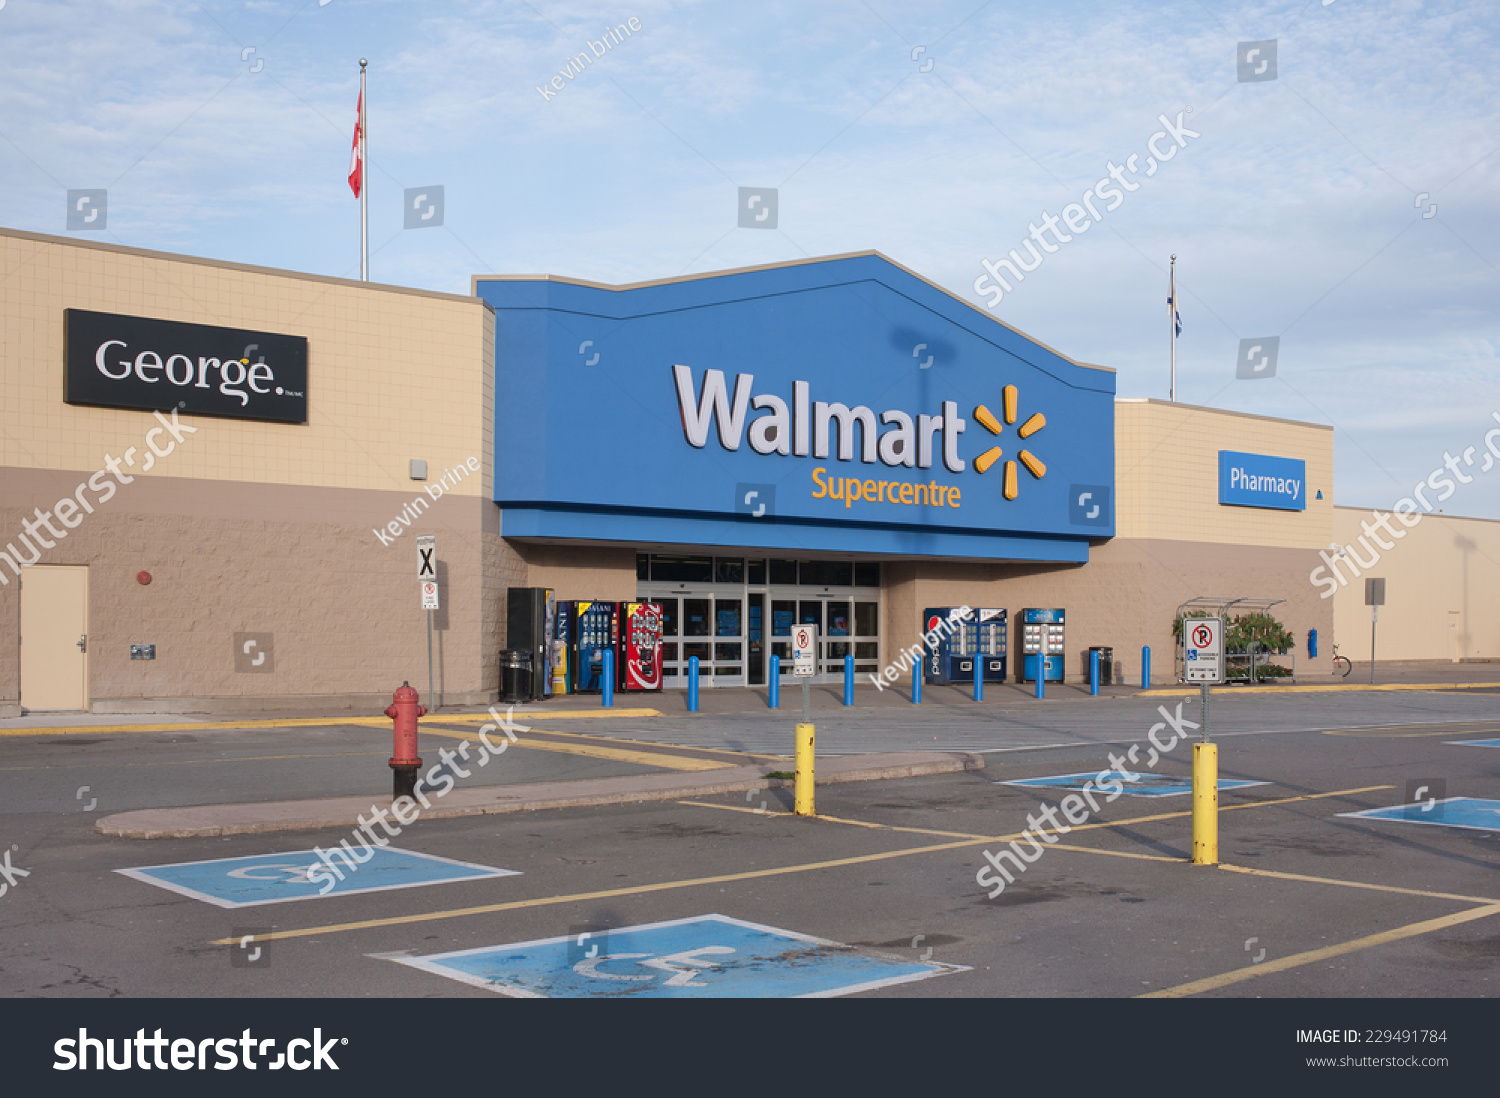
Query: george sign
[[426, 556], [430, 595], [115, 361], [1258, 480], [804, 654], [1203, 649]]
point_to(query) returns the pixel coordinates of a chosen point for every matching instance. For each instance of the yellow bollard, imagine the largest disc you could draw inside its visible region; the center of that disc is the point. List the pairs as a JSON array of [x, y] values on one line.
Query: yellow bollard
[[1205, 804], [804, 787]]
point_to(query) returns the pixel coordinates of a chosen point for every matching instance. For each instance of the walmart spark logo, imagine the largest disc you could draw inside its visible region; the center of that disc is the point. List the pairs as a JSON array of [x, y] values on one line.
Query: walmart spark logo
[[987, 420]]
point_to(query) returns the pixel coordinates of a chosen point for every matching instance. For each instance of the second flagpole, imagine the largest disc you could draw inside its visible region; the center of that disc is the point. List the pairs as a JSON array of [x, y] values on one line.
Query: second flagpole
[[364, 181], [1171, 325]]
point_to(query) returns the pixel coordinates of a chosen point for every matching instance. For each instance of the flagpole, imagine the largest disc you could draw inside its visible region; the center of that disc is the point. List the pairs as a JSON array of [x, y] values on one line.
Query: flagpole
[[364, 182], [1172, 326]]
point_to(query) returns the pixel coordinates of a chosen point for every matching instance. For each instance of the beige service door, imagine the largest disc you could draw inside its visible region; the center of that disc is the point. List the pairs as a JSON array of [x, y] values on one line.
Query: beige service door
[[54, 620]]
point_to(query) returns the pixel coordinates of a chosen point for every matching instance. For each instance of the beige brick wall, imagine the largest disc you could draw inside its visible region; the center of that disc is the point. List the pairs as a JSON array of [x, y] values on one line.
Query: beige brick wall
[[1442, 587], [1167, 475], [392, 374], [301, 563], [260, 527], [1125, 598]]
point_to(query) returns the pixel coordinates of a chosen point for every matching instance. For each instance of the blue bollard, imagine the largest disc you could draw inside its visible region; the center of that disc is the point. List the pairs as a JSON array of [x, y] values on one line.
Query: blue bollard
[[1094, 673], [978, 677], [607, 680], [916, 683], [693, 684], [1146, 668], [773, 691], [1041, 675], [848, 678]]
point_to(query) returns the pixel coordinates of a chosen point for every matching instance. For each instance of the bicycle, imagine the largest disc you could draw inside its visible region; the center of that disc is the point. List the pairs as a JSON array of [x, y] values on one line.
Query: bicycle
[[1341, 661]]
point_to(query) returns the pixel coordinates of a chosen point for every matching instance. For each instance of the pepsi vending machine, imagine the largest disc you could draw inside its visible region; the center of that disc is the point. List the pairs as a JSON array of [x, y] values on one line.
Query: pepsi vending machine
[[1042, 644], [980, 635], [565, 617], [595, 633], [638, 659]]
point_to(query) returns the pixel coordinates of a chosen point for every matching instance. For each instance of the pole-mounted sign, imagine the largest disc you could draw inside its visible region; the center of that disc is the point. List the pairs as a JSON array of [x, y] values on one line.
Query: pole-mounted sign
[[1203, 649], [804, 643]]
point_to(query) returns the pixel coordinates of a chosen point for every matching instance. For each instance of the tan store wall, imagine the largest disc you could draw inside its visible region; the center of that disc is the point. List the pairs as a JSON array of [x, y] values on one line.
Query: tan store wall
[[1125, 598], [1167, 475], [260, 527], [393, 374], [1442, 588]]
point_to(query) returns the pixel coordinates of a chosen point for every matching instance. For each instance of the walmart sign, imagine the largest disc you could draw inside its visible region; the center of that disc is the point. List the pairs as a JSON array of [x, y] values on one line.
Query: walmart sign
[[1257, 480], [835, 405]]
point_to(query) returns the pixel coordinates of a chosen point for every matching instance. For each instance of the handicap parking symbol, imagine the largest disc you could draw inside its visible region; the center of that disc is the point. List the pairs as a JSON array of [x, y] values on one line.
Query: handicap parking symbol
[[1135, 785], [706, 956], [1471, 813], [304, 875]]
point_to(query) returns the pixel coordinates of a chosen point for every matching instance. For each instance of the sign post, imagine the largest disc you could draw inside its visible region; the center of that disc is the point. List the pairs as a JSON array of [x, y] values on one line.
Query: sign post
[[427, 576], [1374, 599], [1203, 661], [804, 664]]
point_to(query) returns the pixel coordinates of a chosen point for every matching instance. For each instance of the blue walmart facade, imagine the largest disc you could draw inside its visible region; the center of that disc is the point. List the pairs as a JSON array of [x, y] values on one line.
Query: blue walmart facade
[[843, 405]]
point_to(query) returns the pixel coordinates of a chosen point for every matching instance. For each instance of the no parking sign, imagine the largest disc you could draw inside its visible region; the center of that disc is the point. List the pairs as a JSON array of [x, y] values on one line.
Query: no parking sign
[[1203, 649]]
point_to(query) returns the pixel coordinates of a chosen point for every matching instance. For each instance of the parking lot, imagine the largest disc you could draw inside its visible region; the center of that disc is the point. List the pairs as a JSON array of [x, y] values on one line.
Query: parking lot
[[731, 894]]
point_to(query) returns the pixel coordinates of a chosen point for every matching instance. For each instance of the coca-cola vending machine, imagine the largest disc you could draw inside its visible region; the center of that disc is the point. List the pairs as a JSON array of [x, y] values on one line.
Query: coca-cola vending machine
[[639, 653]]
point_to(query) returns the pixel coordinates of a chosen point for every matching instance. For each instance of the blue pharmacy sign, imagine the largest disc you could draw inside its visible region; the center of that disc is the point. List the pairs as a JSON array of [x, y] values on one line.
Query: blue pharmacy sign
[[841, 404], [1258, 480]]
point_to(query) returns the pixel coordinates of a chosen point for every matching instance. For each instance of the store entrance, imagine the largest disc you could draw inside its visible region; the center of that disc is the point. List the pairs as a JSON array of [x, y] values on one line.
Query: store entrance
[[733, 613]]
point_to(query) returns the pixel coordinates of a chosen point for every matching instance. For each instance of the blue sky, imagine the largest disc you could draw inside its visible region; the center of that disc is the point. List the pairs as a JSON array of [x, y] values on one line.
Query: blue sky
[[1296, 213]]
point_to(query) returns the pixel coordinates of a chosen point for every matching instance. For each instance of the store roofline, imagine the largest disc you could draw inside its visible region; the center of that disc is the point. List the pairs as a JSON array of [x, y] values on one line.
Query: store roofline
[[476, 279], [201, 261], [1220, 411], [1424, 514]]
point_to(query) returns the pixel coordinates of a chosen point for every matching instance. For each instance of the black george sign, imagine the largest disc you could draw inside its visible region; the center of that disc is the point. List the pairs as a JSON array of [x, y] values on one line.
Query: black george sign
[[158, 365]]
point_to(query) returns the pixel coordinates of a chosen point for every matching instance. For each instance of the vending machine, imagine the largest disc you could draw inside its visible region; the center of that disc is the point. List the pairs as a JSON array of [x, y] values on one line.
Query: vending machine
[[529, 628], [565, 616], [638, 657], [596, 632], [981, 635], [1042, 645]]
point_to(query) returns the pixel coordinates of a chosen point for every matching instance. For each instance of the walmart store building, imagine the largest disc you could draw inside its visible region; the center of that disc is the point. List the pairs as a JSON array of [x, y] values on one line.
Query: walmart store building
[[214, 476]]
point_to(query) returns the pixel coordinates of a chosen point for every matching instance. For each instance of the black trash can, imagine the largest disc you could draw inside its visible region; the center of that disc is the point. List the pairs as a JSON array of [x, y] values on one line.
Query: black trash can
[[515, 676], [1106, 664]]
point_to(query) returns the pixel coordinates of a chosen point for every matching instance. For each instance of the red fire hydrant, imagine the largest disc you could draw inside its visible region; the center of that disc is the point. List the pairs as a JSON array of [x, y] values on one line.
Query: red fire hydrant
[[405, 762]]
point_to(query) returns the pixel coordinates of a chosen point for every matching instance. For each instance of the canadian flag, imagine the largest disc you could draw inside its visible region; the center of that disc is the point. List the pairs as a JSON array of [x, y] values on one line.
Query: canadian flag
[[356, 168]]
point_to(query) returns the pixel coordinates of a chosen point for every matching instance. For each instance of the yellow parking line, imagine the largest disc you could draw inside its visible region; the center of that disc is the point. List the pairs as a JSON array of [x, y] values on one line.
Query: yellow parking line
[[644, 758], [1359, 884], [553, 714], [190, 762], [726, 878], [611, 893], [627, 739], [1169, 692], [196, 726], [1312, 956]]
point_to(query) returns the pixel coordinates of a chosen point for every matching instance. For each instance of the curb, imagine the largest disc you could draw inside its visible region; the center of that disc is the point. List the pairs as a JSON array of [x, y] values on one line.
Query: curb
[[207, 821]]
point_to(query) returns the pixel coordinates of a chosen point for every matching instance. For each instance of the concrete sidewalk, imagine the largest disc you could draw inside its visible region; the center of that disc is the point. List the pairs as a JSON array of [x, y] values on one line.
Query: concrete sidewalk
[[309, 815]]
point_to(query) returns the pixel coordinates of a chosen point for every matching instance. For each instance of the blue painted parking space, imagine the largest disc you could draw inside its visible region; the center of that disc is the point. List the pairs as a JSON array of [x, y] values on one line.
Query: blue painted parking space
[[1136, 784], [706, 957], [1473, 743], [303, 875], [1467, 812]]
